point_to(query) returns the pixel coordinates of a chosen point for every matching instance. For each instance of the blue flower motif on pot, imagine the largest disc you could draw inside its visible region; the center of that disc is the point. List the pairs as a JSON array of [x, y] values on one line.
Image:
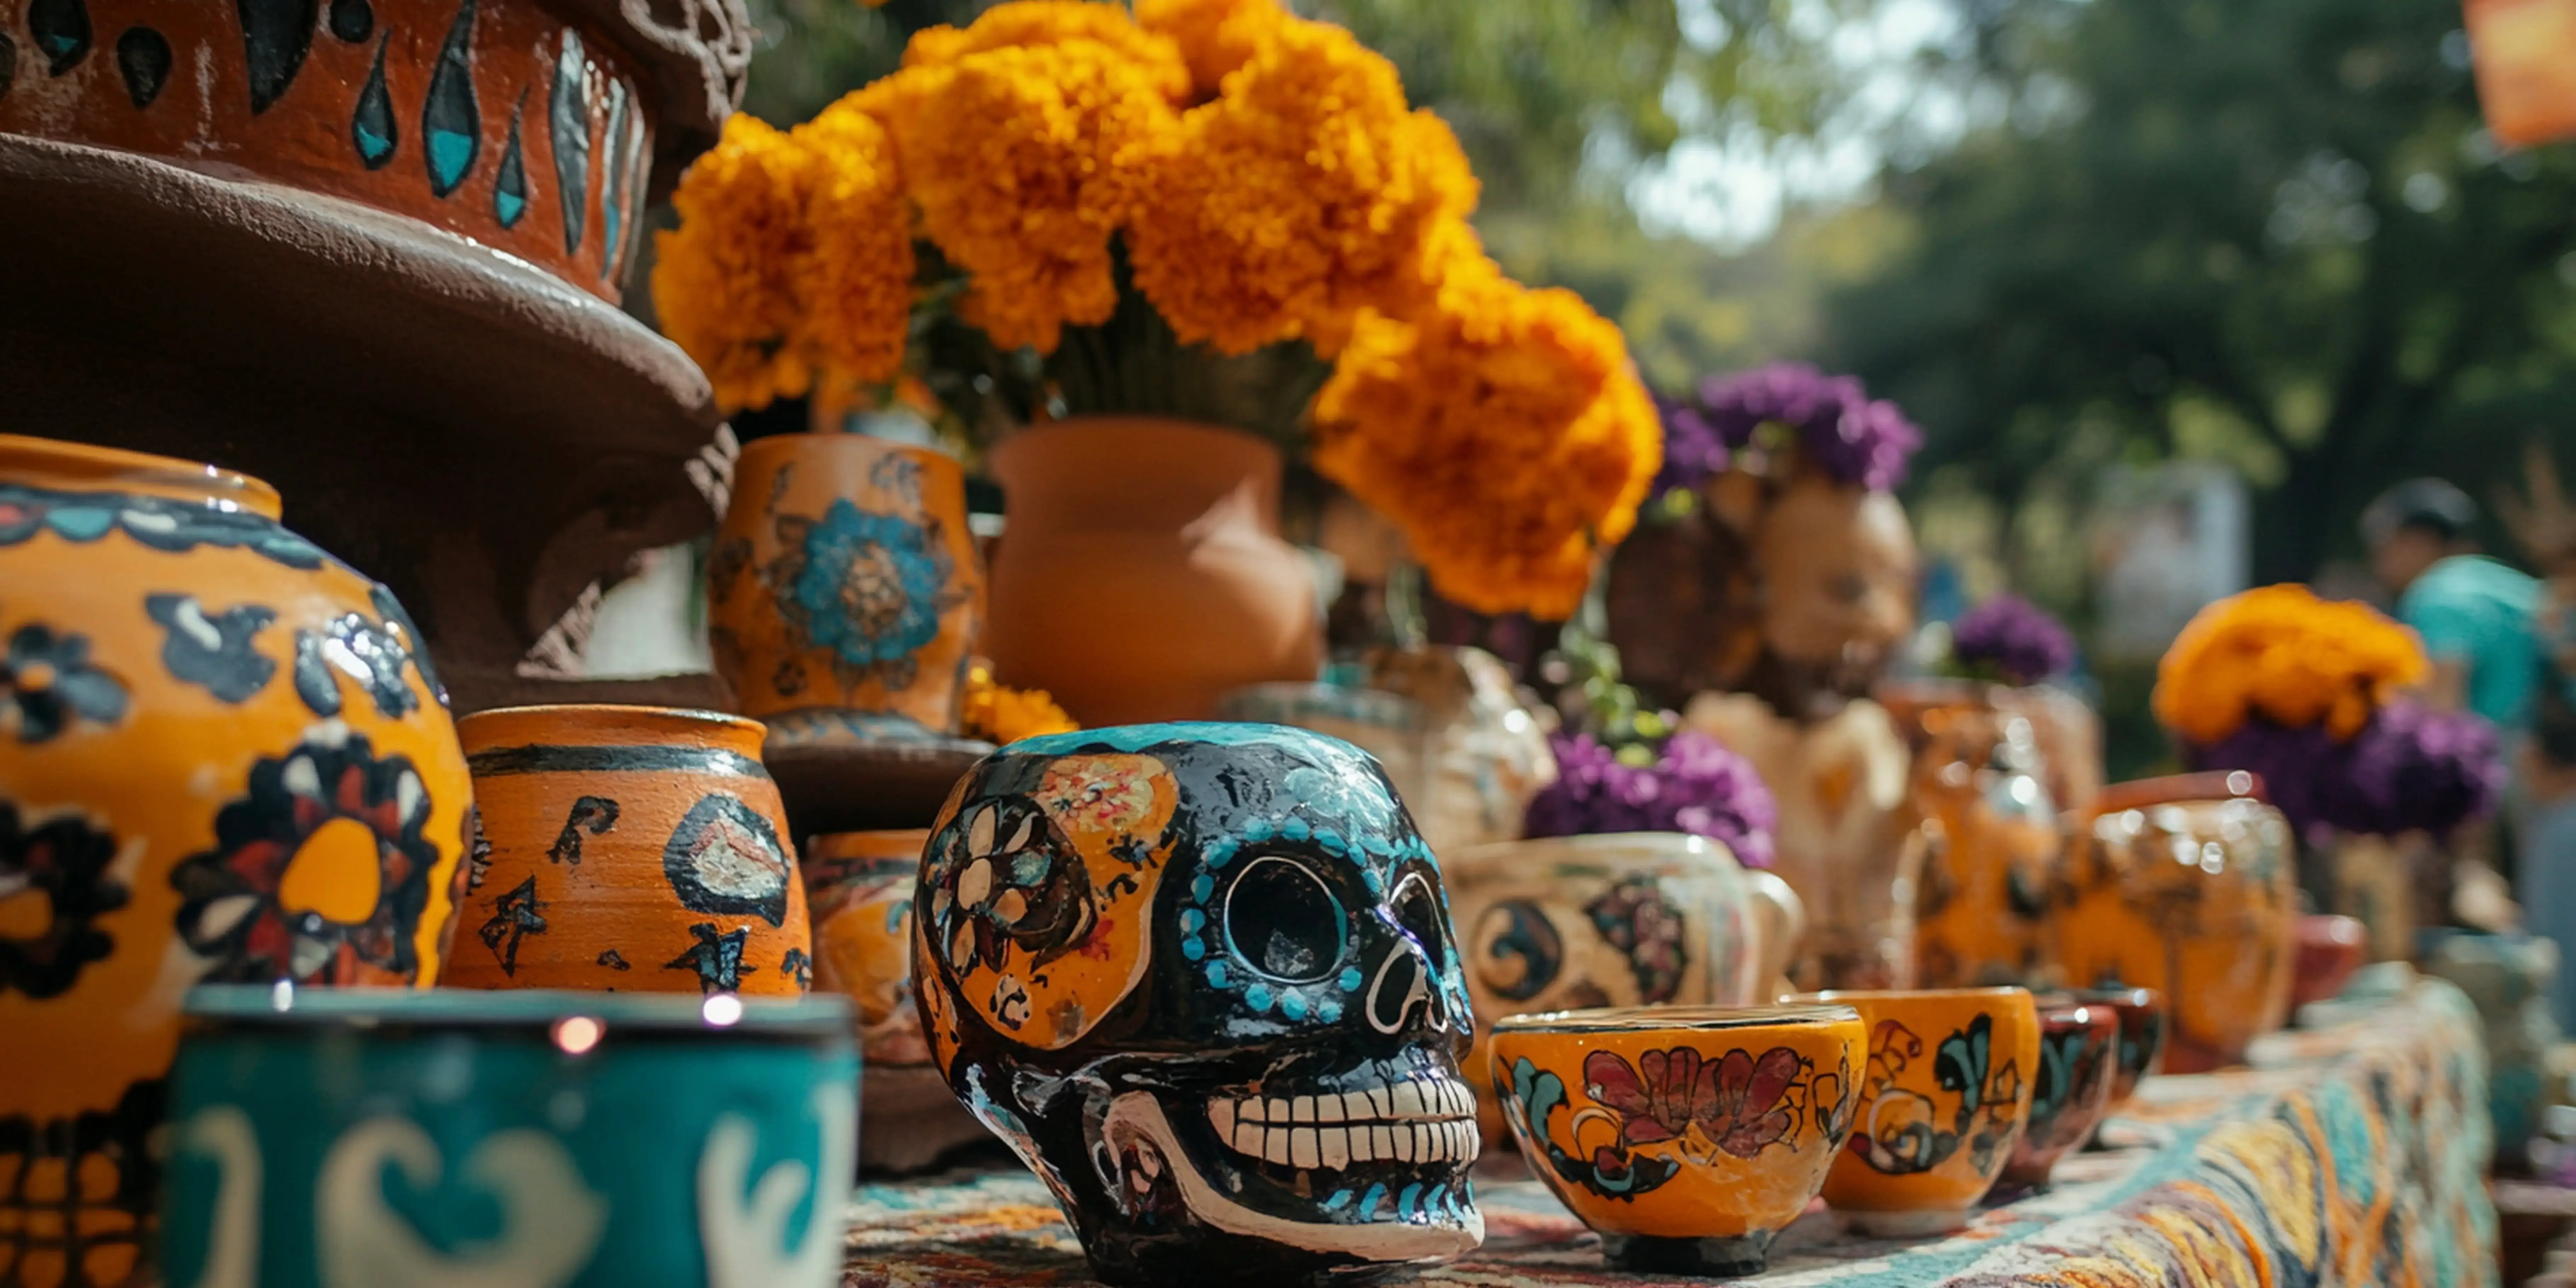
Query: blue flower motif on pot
[[868, 586]]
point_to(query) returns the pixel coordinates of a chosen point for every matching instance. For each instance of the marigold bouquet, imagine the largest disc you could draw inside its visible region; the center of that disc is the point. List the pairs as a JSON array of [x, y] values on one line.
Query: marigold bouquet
[[1208, 209], [2281, 654]]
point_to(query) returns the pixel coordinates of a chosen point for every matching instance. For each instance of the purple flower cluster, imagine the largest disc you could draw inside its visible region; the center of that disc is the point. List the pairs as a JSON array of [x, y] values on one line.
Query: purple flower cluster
[[1698, 786], [1840, 429], [2013, 640], [2410, 769]]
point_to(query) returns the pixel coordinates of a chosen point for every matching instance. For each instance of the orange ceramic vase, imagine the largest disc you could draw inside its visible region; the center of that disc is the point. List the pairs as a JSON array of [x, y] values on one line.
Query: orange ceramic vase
[[859, 885], [222, 758], [2187, 885], [844, 579], [1142, 576], [1986, 847], [627, 849], [1944, 1101]]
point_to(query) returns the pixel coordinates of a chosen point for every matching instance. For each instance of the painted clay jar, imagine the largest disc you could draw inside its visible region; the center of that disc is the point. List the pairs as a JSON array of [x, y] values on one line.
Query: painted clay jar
[[2188, 886], [1688, 1137], [2066, 731], [2331, 950], [222, 758], [1944, 1100], [530, 127], [1624, 920], [568, 1139], [1840, 784], [629, 849], [844, 578], [2079, 1047], [2143, 1024], [1200, 977], [1142, 576], [1488, 754], [1989, 846]]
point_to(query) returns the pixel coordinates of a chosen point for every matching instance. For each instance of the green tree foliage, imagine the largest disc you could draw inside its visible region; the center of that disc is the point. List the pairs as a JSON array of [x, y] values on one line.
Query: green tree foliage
[[2271, 234]]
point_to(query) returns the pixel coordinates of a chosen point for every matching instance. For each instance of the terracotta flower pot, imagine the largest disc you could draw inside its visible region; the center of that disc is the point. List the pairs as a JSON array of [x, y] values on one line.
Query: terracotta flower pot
[[2216, 935], [629, 849], [1142, 576], [221, 759], [844, 578], [1986, 846]]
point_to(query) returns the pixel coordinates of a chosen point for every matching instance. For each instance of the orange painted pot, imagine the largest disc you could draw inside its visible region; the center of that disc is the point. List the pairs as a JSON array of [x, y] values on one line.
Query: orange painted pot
[[1945, 1097], [527, 127], [2216, 934], [1985, 848], [1142, 577], [629, 849], [2079, 1047], [859, 887], [1688, 1137], [222, 758], [844, 578]]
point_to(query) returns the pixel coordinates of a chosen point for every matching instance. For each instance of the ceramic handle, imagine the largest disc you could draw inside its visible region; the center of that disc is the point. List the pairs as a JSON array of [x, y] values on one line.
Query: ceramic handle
[[1783, 918]]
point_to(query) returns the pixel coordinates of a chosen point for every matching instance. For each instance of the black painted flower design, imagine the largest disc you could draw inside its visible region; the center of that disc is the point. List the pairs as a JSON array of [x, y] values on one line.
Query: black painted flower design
[[65, 860], [372, 653], [46, 682], [213, 649], [330, 800]]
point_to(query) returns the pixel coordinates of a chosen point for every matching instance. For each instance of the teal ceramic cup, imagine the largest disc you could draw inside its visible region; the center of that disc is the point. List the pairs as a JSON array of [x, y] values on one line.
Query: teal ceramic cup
[[382, 1139]]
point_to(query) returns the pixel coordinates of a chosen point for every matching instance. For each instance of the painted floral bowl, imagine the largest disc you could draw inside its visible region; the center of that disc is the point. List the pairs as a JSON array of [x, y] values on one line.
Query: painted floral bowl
[[2070, 1088], [1944, 1097], [1687, 1136], [2143, 1022]]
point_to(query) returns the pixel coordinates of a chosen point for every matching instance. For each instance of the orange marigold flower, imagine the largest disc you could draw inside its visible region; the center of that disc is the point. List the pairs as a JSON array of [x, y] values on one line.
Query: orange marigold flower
[[1028, 24], [1504, 431], [1215, 36], [857, 279], [2282, 653], [1005, 715], [1022, 162], [1304, 194], [725, 281]]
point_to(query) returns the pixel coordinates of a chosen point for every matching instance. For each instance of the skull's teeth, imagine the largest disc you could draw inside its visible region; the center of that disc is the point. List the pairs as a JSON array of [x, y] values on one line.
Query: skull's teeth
[[1416, 1121]]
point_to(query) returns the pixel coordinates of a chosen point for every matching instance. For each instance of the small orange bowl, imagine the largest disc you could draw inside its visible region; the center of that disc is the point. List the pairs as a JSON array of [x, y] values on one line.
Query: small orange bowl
[[1688, 1137]]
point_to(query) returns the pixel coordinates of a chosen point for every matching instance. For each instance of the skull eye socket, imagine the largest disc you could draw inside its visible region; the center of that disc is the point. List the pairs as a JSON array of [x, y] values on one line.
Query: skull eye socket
[[1417, 910], [1284, 921]]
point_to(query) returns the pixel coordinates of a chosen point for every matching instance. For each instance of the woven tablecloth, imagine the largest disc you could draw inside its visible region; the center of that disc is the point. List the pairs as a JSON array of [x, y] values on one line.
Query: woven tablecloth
[[2351, 1154]]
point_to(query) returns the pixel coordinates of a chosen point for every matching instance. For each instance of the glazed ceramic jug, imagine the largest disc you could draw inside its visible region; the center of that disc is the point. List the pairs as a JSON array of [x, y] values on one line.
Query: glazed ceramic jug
[[1986, 848], [844, 580], [2067, 731], [629, 849], [1141, 576], [222, 758], [2186, 885], [1626, 919]]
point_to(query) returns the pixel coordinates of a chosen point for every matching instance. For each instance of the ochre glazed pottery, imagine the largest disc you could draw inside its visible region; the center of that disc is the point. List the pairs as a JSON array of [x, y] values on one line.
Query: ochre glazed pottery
[[332, 1139], [1201, 978], [1634, 919], [221, 758], [2141, 1012], [1944, 1099], [1141, 576], [1989, 845], [2186, 885], [629, 849], [2067, 731], [844, 579], [528, 127], [1841, 787], [1686, 1136], [2079, 1047]]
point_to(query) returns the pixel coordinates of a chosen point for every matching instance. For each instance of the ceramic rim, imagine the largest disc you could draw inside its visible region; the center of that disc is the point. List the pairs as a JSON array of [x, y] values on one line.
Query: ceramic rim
[[53, 462], [1676, 1019], [1849, 996], [237, 1006]]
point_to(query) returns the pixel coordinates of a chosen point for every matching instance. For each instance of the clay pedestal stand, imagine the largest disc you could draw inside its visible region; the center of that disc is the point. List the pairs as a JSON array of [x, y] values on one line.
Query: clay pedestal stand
[[370, 250]]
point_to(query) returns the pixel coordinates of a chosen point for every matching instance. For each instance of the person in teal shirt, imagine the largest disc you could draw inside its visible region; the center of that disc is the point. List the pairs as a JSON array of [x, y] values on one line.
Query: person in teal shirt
[[2478, 617]]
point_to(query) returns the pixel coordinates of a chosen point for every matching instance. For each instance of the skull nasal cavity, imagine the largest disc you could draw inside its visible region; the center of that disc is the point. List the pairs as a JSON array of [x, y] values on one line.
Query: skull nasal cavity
[[1400, 983]]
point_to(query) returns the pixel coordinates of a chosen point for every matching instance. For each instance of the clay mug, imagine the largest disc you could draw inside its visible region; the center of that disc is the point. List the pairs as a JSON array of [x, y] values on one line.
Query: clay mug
[[629, 849], [223, 757], [2186, 885], [1622, 919], [1688, 1137], [844, 578], [1945, 1097], [2070, 1089], [2331, 949], [325, 1138], [2143, 1024]]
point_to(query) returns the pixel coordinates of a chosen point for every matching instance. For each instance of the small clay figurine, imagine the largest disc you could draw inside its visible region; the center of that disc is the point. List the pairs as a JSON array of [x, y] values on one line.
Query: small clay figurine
[[1201, 978]]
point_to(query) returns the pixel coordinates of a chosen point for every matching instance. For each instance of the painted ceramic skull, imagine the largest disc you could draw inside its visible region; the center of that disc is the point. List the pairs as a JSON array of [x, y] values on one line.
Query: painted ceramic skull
[[1201, 978]]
